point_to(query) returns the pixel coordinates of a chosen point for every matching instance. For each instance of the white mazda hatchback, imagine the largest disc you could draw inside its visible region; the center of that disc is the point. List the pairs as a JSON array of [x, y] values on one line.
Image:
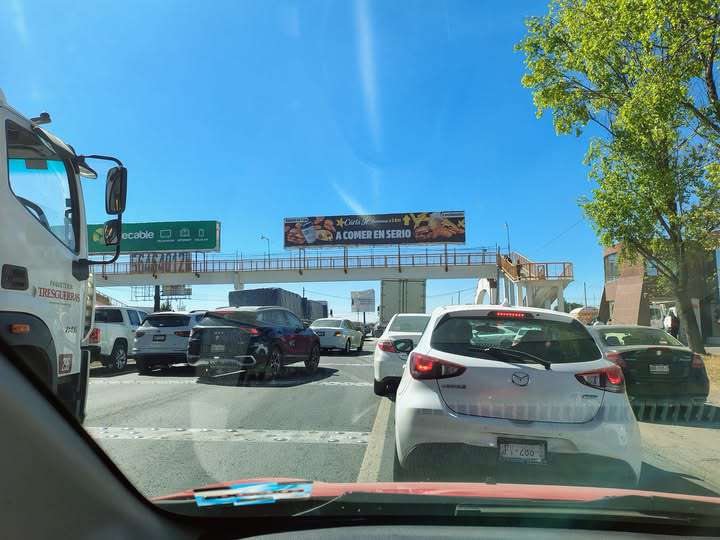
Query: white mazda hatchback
[[512, 392]]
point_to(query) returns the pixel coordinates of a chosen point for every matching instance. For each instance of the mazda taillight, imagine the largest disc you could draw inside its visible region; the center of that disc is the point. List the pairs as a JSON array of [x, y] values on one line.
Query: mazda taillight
[[423, 366], [697, 362], [610, 379], [94, 336], [386, 345], [616, 358]]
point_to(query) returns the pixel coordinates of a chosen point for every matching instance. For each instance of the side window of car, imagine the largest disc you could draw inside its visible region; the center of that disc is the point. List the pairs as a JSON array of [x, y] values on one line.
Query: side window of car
[[293, 321], [114, 316], [280, 318], [134, 321]]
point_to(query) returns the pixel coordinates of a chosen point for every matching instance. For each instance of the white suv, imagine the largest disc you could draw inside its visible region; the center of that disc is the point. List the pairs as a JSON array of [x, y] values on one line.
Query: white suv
[[112, 335], [163, 338]]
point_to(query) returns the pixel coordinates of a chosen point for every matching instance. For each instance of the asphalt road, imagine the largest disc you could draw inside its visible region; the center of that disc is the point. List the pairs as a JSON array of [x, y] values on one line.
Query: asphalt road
[[170, 430]]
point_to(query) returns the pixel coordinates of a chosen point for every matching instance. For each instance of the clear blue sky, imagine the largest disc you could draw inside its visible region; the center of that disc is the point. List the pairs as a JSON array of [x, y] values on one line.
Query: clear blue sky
[[247, 112]]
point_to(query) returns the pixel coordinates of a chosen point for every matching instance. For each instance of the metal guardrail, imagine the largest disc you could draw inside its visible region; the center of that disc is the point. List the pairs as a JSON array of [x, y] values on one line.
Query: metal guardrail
[[316, 262]]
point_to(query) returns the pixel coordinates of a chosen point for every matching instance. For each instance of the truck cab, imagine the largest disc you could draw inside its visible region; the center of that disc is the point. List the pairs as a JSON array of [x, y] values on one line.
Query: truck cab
[[46, 296]]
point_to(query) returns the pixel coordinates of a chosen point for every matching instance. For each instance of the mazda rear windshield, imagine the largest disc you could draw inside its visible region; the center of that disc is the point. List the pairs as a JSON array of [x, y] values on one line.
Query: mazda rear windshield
[[166, 321], [557, 342], [327, 323], [622, 337], [409, 324]]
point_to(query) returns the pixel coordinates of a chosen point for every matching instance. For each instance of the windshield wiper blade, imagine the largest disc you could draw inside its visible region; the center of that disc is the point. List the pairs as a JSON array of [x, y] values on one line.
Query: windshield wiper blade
[[502, 354]]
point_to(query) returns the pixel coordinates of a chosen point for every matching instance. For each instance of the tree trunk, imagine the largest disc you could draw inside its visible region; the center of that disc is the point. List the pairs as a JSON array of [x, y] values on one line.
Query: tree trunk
[[689, 322]]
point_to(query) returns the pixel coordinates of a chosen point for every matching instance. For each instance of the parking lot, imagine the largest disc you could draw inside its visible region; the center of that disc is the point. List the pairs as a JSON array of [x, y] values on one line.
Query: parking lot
[[170, 430]]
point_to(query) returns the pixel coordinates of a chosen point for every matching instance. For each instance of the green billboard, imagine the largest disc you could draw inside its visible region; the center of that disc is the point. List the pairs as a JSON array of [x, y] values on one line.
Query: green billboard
[[159, 236]]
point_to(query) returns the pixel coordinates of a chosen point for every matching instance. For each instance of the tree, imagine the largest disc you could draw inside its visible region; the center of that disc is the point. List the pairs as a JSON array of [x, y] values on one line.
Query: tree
[[166, 305], [642, 73]]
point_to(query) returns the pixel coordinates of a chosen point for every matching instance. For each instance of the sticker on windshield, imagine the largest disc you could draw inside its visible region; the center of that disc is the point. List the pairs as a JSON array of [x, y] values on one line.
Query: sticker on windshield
[[253, 493]]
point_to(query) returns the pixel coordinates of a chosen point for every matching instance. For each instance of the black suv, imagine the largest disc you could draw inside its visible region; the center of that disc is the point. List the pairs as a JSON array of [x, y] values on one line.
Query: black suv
[[259, 340]]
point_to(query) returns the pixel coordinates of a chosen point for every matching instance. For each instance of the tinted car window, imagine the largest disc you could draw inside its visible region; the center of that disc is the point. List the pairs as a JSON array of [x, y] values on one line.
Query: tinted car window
[[293, 321], [554, 341], [638, 336], [244, 317], [326, 323], [409, 324], [108, 316], [279, 317], [166, 321], [134, 319]]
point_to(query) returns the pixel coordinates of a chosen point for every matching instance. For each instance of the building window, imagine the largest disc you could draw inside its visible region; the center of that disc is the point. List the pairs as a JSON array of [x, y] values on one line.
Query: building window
[[612, 272]]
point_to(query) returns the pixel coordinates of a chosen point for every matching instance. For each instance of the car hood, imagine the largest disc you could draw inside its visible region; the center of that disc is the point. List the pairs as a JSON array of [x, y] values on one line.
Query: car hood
[[457, 489]]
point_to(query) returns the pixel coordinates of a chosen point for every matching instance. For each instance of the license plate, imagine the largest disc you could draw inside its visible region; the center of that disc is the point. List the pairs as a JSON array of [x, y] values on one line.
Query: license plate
[[159, 338], [217, 348], [659, 369], [522, 451], [320, 333]]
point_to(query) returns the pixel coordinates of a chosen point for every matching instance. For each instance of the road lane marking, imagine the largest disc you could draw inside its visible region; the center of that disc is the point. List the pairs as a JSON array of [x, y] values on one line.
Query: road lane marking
[[279, 384], [370, 468], [228, 435]]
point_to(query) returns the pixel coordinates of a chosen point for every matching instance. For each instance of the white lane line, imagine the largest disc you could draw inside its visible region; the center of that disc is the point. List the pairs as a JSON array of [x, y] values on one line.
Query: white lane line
[[370, 468], [228, 435], [279, 384], [353, 365]]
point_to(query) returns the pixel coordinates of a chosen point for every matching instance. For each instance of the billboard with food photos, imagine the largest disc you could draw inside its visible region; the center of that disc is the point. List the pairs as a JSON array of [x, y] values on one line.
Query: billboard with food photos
[[375, 229]]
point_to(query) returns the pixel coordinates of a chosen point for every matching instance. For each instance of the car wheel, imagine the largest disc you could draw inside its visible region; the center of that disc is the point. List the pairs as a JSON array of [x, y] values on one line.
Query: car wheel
[[400, 473], [362, 342], [142, 366], [118, 357], [311, 364], [273, 364], [348, 346], [380, 388]]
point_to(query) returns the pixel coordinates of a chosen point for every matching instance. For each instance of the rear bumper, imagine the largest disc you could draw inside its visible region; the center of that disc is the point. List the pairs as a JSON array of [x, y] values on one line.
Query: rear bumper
[[239, 362], [387, 365], [333, 342], [693, 390], [421, 419], [157, 359]]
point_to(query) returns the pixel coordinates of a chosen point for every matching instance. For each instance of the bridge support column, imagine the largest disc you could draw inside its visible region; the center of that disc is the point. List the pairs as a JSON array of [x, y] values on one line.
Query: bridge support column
[[237, 283], [560, 298], [510, 293]]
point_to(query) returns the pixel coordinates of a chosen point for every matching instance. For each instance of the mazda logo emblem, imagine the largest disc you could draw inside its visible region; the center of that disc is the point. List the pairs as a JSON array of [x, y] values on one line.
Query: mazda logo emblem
[[520, 378]]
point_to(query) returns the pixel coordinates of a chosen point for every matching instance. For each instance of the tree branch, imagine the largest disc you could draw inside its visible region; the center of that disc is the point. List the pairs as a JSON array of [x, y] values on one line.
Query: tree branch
[[661, 266]]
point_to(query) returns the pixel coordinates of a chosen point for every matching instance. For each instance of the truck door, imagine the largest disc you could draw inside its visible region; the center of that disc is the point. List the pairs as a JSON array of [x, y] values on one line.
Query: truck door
[[41, 219]]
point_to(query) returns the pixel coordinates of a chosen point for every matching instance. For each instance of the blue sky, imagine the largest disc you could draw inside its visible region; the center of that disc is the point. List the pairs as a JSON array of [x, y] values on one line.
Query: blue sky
[[247, 112]]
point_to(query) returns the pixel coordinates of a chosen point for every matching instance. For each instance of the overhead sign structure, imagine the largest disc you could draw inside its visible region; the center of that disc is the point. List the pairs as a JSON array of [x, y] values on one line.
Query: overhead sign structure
[[375, 229], [363, 301], [159, 236], [177, 291], [166, 262]]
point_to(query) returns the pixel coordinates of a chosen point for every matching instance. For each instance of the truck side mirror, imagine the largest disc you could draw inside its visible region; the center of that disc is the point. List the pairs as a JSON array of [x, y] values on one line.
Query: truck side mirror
[[116, 191], [111, 232]]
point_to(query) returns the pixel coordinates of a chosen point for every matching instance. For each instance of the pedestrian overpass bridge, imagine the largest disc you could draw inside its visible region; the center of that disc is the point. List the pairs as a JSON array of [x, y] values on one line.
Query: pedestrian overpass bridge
[[521, 281]]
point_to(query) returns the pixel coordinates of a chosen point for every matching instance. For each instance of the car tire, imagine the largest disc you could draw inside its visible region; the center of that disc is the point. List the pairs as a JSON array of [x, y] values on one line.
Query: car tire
[[380, 388], [348, 346], [400, 473], [313, 360], [142, 366], [273, 365], [118, 356]]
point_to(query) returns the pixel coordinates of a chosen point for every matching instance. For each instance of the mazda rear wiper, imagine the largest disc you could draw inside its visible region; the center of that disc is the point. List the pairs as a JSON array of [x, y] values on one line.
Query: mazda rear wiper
[[506, 355]]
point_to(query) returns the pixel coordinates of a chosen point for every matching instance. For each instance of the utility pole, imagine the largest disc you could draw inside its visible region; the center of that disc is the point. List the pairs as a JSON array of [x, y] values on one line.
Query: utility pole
[[458, 297], [507, 228], [303, 292], [585, 289], [263, 237], [156, 302]]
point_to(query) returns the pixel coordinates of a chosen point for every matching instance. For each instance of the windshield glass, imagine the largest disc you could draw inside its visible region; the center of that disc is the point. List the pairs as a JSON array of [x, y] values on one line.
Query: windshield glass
[[554, 341], [435, 241], [637, 336], [326, 323], [165, 321], [409, 324]]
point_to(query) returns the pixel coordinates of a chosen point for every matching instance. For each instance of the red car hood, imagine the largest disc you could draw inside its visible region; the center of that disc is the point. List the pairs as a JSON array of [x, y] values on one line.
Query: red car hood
[[459, 489]]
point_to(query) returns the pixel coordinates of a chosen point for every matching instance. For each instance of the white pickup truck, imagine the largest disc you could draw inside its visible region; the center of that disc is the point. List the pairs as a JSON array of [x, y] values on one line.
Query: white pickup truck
[[113, 334]]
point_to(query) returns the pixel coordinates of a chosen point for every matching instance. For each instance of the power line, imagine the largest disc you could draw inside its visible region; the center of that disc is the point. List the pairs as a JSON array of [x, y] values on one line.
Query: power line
[[564, 231]]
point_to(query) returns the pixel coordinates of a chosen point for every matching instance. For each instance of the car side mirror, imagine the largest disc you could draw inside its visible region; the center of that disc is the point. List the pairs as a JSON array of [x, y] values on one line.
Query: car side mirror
[[116, 191], [111, 232], [404, 345]]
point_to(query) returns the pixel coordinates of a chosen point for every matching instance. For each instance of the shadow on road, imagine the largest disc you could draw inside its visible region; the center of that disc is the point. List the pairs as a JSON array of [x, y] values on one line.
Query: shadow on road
[[290, 376], [678, 414], [98, 370], [656, 479], [341, 354]]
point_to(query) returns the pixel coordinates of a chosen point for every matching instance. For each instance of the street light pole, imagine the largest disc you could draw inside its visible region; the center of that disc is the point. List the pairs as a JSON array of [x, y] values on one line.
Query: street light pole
[[507, 228], [263, 237]]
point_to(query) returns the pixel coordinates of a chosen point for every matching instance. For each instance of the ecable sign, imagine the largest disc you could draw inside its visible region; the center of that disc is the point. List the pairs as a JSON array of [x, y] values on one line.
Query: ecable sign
[[376, 229]]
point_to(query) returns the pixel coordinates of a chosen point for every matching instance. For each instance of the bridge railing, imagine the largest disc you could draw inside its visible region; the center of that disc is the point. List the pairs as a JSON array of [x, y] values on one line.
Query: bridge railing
[[520, 267], [300, 262]]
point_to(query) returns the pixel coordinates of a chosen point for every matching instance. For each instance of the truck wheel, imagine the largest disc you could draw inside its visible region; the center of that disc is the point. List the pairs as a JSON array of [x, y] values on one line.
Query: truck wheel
[[311, 364], [348, 346], [118, 357]]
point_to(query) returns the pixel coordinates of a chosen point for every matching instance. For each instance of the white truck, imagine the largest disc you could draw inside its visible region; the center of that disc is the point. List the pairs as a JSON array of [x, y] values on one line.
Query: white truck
[[113, 334], [46, 292], [400, 296]]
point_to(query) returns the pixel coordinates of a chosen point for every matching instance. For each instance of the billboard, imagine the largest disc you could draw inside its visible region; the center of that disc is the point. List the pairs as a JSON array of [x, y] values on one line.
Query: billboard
[[375, 229], [159, 236], [363, 301]]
